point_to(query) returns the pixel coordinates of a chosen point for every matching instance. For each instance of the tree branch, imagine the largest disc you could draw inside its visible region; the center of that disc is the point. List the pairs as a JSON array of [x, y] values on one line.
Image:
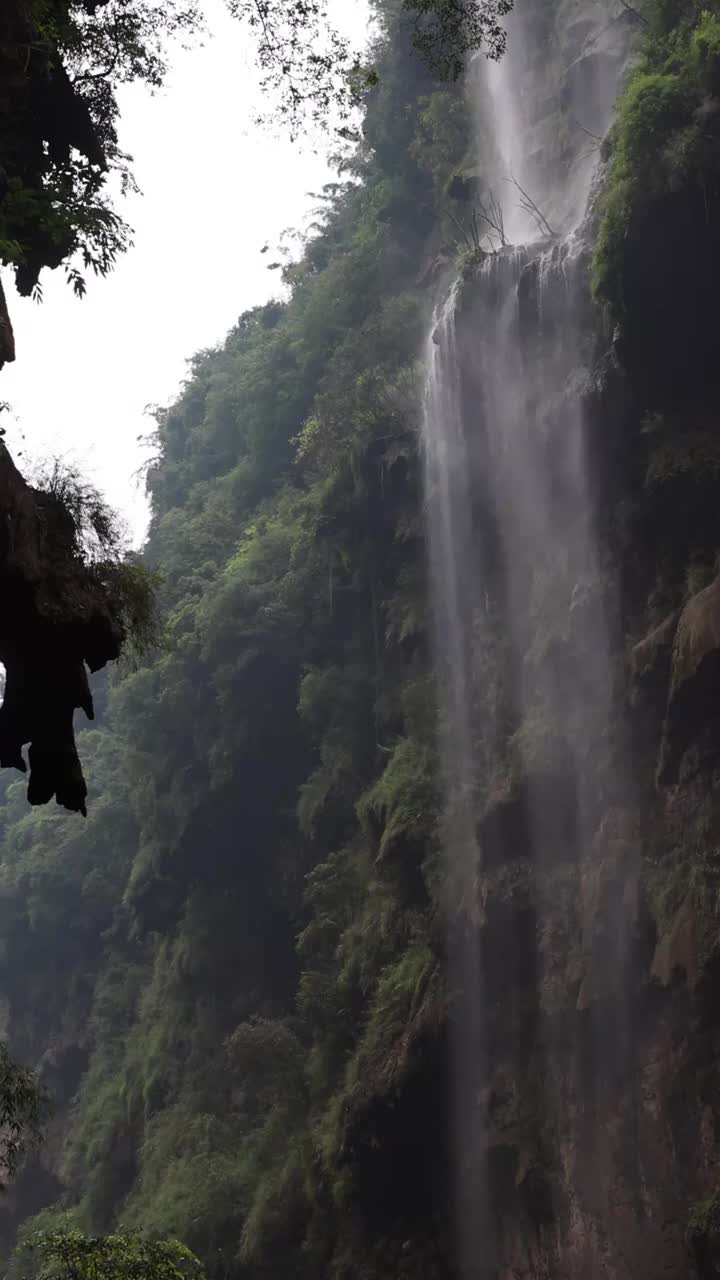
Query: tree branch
[[529, 205], [629, 8]]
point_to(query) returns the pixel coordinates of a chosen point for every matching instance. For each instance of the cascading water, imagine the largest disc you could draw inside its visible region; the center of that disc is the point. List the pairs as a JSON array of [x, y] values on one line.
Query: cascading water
[[458, 592], [513, 549]]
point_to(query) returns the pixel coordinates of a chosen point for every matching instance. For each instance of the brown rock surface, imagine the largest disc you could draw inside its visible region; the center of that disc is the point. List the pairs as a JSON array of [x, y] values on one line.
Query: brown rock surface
[[693, 711]]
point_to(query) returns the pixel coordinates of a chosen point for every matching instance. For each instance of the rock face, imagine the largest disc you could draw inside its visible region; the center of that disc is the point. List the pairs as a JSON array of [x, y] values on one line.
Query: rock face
[[600, 950], [694, 702], [598, 1085], [611, 1114], [651, 658], [597, 1091], [53, 623]]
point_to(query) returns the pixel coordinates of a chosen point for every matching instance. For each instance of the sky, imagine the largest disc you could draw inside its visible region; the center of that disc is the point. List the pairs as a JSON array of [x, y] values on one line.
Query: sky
[[215, 189]]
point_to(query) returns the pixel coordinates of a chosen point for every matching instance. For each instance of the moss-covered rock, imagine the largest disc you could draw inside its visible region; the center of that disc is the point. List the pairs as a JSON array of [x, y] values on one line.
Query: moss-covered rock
[[659, 225]]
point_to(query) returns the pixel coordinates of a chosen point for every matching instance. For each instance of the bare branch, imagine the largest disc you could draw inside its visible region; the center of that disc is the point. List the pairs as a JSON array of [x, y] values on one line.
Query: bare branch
[[629, 8], [492, 214], [595, 136], [460, 228], [529, 205]]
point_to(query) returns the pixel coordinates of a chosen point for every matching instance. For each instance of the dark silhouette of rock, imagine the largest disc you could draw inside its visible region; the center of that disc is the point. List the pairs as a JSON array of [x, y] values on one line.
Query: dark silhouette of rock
[[53, 622], [7, 337]]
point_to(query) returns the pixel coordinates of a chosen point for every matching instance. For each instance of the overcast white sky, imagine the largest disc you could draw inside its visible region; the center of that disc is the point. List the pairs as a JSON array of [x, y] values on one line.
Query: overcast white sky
[[215, 190]]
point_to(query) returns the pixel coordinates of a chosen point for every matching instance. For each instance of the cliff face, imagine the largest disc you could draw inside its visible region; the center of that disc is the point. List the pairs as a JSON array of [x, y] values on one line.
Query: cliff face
[[599, 940], [588, 731], [241, 979], [599, 936]]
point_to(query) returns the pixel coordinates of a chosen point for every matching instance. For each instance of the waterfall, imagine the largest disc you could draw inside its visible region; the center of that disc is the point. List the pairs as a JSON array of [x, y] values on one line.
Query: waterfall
[[522, 602], [457, 585]]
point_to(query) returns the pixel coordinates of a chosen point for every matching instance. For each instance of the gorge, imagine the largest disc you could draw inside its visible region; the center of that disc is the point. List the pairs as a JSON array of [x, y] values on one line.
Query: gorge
[[389, 947]]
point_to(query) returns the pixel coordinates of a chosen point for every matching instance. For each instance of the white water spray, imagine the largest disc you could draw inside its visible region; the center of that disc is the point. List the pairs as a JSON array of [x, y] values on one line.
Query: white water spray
[[511, 537]]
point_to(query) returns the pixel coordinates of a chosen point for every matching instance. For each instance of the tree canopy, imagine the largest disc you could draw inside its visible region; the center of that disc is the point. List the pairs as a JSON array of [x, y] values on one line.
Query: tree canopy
[[62, 62], [243, 929], [22, 1108], [60, 67], [286, 727], [69, 1254]]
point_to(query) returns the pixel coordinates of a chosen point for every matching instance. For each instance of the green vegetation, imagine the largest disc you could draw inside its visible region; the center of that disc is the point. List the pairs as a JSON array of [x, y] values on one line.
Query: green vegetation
[[62, 63], [704, 1219], [89, 565], [69, 1254], [23, 1105], [232, 975], [665, 144], [238, 955]]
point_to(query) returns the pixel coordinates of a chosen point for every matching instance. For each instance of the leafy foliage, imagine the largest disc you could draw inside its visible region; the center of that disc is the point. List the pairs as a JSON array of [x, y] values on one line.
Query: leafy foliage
[[449, 30], [704, 1219], [22, 1109], [91, 558], [60, 67], [252, 908], [96, 531], [63, 61], [69, 1254], [312, 68], [666, 140], [305, 59]]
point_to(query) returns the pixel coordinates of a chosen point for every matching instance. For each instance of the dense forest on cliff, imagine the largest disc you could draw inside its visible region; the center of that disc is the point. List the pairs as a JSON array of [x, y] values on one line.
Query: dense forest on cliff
[[234, 958], [231, 976]]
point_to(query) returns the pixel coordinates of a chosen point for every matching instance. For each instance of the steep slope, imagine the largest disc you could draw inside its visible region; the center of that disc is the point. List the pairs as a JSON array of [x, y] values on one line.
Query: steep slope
[[278, 756]]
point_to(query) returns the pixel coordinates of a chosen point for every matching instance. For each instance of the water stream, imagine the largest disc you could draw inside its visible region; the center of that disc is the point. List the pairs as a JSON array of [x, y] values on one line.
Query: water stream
[[516, 569]]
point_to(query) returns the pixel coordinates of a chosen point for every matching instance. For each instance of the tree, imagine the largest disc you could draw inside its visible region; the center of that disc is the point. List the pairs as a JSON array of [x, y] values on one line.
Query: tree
[[69, 1254], [72, 599], [448, 31], [62, 61], [22, 1105], [61, 64], [311, 68]]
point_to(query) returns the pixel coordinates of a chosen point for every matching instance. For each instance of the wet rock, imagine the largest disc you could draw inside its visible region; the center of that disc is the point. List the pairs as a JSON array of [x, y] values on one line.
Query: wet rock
[[677, 952], [698, 634], [694, 703], [466, 186], [651, 658], [592, 603], [537, 813], [651, 663]]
